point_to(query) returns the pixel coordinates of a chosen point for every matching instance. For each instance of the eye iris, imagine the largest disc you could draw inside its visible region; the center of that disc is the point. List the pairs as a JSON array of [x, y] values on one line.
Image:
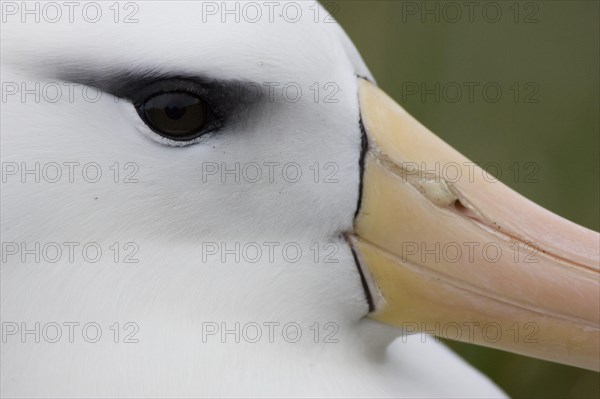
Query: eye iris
[[178, 116]]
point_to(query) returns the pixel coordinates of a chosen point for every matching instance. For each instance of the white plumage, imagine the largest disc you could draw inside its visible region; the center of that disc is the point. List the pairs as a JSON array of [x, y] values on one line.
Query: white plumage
[[172, 211]]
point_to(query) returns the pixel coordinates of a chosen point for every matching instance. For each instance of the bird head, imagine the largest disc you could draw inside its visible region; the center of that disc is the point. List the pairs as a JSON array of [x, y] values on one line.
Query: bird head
[[262, 175]]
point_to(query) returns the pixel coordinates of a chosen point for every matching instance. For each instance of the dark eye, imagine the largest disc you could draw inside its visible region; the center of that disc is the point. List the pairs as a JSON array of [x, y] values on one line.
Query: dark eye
[[178, 116]]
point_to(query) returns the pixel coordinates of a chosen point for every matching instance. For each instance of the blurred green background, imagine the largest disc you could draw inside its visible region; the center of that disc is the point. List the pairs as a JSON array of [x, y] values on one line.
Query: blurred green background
[[541, 133]]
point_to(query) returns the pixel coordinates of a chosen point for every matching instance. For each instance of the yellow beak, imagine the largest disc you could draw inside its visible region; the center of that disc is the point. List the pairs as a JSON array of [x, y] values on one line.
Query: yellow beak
[[448, 250]]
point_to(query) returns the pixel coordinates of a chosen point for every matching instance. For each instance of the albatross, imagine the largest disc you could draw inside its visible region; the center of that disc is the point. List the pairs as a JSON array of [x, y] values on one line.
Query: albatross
[[202, 205]]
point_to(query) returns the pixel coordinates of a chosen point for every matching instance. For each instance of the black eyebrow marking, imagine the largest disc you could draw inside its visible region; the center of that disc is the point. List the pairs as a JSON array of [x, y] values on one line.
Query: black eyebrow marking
[[226, 96]]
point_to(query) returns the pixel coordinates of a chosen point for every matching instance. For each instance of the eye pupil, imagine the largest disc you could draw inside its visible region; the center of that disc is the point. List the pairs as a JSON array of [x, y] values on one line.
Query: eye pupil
[[178, 116], [175, 112]]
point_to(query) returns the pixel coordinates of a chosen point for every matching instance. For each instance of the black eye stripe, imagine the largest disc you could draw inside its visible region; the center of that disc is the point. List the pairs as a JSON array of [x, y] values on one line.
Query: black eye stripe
[[226, 100], [225, 96]]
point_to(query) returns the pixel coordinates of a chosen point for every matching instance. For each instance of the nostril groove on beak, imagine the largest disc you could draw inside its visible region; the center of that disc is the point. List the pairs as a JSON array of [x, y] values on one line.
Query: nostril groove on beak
[[459, 206]]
